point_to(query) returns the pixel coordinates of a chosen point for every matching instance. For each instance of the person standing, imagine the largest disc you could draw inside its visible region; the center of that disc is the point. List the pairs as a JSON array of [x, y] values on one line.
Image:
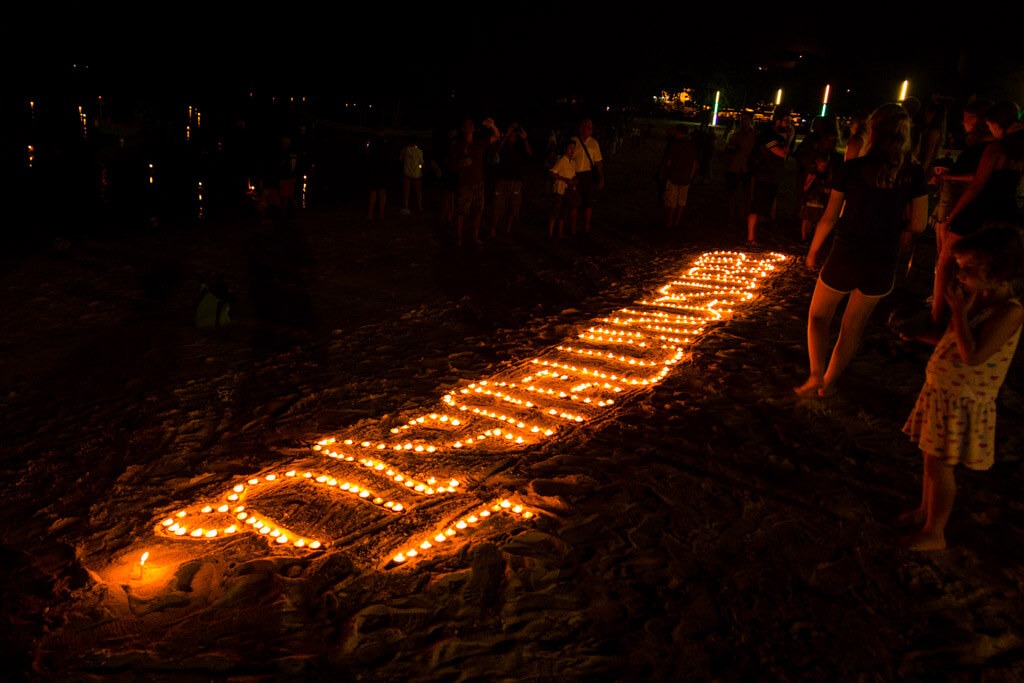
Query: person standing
[[589, 171], [769, 162], [678, 169], [954, 419], [411, 158], [875, 194], [818, 165], [989, 198], [513, 151], [379, 164], [564, 197], [468, 156], [738, 147]]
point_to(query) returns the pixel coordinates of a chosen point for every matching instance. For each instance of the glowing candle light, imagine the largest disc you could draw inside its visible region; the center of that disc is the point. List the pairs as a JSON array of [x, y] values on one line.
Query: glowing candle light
[[631, 349], [137, 571]]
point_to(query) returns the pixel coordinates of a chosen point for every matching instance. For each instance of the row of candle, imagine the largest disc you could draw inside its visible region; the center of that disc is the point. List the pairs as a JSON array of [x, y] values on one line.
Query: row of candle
[[565, 384]]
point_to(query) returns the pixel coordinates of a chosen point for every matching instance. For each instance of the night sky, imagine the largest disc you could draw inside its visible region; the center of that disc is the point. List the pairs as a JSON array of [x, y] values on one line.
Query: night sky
[[506, 53]]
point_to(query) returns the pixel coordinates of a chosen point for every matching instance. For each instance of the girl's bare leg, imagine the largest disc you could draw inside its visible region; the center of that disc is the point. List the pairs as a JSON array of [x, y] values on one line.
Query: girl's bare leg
[[919, 515], [942, 484]]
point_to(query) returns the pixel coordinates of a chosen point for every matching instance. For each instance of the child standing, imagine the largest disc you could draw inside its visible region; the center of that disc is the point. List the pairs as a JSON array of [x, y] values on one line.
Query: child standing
[[564, 200], [953, 421], [817, 185]]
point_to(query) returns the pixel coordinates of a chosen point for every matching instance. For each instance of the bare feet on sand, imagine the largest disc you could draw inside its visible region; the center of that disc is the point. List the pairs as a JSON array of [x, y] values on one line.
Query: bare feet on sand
[[814, 388], [916, 517], [922, 541], [808, 389]]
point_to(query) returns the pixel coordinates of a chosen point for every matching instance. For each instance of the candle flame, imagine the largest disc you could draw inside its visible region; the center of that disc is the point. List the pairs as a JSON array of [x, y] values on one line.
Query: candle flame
[[145, 556]]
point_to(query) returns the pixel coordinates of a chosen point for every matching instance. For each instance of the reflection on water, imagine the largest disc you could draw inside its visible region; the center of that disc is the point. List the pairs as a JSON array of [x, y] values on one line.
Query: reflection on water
[[91, 165]]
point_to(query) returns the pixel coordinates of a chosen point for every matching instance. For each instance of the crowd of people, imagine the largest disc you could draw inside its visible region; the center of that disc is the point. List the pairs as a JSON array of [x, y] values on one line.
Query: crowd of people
[[877, 199], [901, 170], [481, 171], [862, 199], [866, 188]]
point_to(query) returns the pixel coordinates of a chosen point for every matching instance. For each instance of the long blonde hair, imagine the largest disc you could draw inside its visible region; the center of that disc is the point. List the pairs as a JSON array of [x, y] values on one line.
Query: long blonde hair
[[888, 146]]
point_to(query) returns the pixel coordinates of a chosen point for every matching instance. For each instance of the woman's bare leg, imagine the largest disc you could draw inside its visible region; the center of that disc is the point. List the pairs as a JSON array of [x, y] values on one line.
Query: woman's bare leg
[[855, 319], [824, 302]]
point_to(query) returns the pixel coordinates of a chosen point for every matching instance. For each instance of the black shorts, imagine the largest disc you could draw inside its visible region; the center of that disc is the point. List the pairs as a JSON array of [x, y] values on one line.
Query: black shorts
[[562, 205], [847, 269], [586, 189], [735, 180], [762, 197]]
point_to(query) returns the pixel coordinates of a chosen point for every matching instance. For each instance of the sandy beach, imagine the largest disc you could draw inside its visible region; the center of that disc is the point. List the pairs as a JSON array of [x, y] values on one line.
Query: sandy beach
[[707, 526]]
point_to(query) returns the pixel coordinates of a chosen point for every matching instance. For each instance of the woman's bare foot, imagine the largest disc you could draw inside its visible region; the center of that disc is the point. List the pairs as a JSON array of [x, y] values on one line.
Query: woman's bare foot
[[808, 389], [922, 541], [911, 518], [826, 392]]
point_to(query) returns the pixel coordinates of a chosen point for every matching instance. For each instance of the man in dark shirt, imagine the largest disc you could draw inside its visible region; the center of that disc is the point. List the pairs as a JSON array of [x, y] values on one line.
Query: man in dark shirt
[[513, 151], [769, 156], [466, 160], [677, 171]]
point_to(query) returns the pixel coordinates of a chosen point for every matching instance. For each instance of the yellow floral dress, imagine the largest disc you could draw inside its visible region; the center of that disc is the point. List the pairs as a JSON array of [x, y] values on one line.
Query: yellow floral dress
[[954, 418]]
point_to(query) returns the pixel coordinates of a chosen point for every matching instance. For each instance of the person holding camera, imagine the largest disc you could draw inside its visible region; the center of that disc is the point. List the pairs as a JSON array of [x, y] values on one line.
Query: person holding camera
[[467, 159]]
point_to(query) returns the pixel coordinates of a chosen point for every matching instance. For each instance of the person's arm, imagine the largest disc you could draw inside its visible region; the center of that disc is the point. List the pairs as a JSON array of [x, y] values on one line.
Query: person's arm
[[985, 167], [928, 336], [853, 147], [991, 335], [929, 148], [779, 150], [825, 225], [527, 150], [495, 133]]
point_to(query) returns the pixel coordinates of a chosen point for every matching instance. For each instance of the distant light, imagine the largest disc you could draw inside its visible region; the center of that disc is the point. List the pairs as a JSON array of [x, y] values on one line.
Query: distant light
[[778, 97], [714, 117], [903, 90]]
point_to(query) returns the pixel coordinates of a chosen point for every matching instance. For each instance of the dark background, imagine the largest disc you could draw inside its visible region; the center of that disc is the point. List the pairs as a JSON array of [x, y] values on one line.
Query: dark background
[[525, 53]]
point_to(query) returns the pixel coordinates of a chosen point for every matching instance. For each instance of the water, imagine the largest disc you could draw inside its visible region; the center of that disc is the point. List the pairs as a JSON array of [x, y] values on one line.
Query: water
[[85, 166]]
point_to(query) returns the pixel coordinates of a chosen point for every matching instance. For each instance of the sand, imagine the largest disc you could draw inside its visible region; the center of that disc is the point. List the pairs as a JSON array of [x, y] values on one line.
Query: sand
[[709, 526]]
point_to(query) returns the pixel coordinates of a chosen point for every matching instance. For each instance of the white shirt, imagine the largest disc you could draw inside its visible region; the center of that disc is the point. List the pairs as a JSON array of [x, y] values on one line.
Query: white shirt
[[581, 161]]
